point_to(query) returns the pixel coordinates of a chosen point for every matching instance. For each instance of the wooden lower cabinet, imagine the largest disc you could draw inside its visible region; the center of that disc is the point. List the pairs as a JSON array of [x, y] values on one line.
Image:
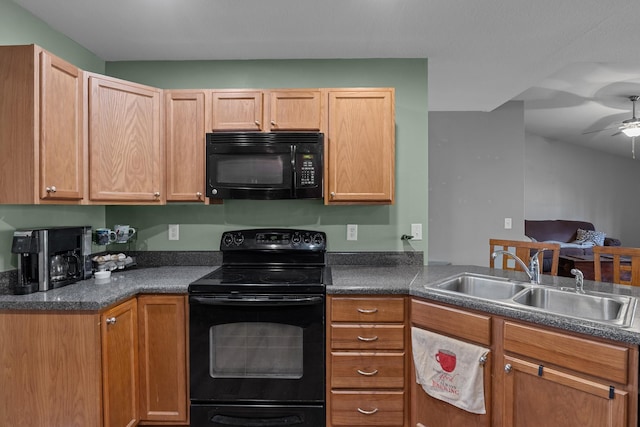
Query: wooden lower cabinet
[[428, 411], [162, 335], [367, 364], [125, 366], [120, 365], [539, 377], [556, 398]]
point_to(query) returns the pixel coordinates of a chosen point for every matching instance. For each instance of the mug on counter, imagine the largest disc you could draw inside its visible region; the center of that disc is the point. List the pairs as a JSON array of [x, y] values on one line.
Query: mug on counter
[[104, 236], [123, 233]]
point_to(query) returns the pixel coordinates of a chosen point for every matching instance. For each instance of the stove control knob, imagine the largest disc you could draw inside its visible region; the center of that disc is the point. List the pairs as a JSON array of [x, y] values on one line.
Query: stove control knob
[[227, 239], [296, 238], [307, 238], [238, 239], [318, 239]]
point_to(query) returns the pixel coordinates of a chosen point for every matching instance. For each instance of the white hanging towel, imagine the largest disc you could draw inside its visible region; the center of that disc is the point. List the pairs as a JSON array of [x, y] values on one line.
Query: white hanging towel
[[449, 369]]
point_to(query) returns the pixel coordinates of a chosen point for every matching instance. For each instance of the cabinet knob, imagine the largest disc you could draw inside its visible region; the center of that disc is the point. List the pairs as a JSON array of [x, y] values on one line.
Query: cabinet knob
[[198, 194], [273, 123], [156, 194], [51, 189], [333, 194], [257, 122], [507, 368], [365, 412], [111, 320]]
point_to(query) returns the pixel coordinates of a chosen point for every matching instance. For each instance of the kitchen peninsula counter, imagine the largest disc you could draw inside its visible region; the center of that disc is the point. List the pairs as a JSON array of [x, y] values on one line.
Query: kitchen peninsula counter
[[410, 280]]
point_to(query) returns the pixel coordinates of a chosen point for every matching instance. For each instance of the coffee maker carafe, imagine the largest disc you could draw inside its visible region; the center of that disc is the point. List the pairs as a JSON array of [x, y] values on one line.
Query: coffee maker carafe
[[50, 258]]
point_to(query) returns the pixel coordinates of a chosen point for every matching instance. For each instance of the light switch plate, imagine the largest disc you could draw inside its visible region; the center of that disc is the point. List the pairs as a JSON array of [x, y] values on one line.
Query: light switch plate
[[507, 223]]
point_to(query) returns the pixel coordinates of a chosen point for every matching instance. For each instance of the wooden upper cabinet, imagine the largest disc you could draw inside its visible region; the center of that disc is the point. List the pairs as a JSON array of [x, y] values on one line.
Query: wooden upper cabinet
[[295, 110], [360, 148], [120, 365], [41, 127], [126, 152], [62, 145], [185, 129], [237, 111]]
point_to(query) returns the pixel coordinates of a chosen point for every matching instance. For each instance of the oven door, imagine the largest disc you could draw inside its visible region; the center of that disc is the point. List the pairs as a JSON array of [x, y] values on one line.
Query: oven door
[[249, 171], [257, 348]]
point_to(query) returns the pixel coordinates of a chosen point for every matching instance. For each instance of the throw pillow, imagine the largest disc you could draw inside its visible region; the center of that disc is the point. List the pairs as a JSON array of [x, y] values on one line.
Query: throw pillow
[[597, 237]]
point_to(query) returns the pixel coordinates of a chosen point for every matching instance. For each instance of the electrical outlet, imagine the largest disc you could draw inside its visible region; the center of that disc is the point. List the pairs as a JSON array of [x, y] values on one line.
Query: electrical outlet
[[416, 231], [507, 223], [174, 232], [352, 231]]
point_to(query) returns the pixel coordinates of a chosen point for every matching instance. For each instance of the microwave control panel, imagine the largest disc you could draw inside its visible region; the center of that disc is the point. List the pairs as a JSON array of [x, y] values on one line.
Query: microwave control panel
[[308, 173]]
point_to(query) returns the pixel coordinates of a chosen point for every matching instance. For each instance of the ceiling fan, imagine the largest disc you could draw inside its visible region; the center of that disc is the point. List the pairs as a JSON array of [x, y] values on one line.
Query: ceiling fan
[[629, 127]]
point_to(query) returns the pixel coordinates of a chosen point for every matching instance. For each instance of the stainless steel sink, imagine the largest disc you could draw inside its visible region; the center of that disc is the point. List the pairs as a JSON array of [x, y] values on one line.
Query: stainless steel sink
[[613, 309], [480, 286], [598, 307]]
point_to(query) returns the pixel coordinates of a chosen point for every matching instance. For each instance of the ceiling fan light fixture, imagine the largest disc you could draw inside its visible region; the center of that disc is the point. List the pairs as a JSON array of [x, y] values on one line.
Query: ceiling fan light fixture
[[631, 131]]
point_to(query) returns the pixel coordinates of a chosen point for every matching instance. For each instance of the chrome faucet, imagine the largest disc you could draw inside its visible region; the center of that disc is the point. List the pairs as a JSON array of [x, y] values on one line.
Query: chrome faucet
[[579, 280], [533, 270]]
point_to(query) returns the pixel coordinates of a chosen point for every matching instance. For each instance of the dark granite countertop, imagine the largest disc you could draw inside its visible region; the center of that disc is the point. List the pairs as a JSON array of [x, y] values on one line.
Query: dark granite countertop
[[92, 295], [414, 280]]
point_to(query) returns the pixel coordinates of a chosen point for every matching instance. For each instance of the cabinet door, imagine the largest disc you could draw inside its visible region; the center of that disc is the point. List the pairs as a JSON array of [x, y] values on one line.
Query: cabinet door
[[163, 358], [295, 110], [185, 141], [120, 365], [125, 145], [361, 147], [61, 135], [236, 111], [555, 398]]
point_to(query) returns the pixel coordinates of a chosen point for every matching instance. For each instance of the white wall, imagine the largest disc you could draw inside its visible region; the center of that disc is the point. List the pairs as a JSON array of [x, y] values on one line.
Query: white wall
[[566, 181], [476, 179]]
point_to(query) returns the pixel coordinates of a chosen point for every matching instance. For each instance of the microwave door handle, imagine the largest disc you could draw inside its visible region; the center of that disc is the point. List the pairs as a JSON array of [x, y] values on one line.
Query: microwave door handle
[[256, 301], [294, 173]]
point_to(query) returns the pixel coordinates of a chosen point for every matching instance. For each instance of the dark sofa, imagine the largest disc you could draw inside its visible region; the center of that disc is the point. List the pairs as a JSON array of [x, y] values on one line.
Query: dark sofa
[[563, 231]]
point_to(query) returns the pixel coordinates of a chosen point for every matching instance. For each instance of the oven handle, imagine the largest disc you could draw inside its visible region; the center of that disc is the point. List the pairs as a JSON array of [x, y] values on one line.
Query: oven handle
[[256, 300], [256, 422]]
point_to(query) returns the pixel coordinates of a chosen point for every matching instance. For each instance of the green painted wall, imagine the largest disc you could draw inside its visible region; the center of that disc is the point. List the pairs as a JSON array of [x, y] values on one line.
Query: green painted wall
[[380, 227], [17, 26]]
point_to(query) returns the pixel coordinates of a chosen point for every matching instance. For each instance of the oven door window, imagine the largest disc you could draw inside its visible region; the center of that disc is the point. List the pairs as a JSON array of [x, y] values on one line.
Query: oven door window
[[256, 350]]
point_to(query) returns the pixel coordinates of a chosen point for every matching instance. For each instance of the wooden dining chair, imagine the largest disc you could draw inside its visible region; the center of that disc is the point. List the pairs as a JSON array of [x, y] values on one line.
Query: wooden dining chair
[[625, 267], [524, 250]]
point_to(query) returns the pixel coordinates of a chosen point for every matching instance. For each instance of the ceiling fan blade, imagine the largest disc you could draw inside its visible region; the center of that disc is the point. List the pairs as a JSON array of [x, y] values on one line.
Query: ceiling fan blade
[[599, 130], [617, 133]]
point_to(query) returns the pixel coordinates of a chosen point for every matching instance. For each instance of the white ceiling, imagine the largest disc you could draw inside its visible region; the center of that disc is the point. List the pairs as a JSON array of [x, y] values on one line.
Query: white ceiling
[[556, 55]]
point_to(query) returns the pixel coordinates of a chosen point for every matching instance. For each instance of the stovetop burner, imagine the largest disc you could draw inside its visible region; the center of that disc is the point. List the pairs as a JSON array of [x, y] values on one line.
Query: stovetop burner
[[268, 261]]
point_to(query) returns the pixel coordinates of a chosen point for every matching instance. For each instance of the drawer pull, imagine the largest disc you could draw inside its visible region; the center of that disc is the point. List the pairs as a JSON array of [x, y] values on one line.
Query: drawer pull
[[368, 339], [367, 310], [365, 412], [367, 374]]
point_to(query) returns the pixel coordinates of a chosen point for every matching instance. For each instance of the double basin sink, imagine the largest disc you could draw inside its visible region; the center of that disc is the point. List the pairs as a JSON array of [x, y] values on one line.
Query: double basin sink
[[592, 306]]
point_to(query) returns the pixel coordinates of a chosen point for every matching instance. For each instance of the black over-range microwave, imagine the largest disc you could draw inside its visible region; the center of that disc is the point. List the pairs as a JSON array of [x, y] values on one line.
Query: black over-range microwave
[[264, 165]]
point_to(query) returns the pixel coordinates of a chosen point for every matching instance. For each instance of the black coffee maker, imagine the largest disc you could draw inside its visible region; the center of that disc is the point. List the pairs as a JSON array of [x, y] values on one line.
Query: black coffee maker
[[50, 258]]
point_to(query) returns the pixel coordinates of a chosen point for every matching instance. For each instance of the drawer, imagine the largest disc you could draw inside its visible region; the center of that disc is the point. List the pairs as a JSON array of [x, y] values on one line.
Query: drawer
[[367, 370], [451, 321], [367, 310], [351, 409], [607, 361], [367, 337]]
